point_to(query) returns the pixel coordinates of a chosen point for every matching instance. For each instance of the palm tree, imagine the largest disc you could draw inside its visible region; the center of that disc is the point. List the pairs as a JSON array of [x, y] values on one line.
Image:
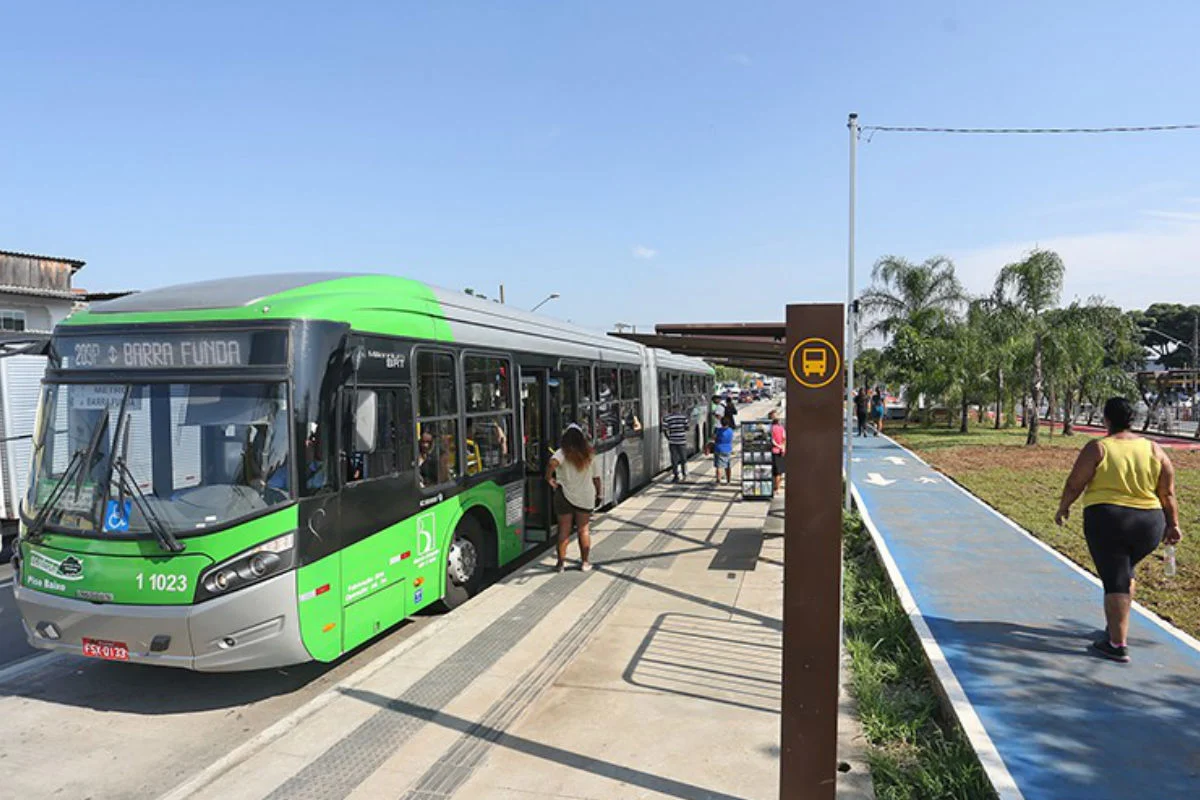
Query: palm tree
[[1002, 334], [1031, 288], [922, 296]]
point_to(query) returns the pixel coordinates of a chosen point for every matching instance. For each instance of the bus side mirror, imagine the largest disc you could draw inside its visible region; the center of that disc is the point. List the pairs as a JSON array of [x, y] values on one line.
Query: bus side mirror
[[365, 420]]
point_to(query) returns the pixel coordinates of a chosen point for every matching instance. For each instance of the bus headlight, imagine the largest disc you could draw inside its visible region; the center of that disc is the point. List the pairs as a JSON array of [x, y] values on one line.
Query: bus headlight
[[267, 559]]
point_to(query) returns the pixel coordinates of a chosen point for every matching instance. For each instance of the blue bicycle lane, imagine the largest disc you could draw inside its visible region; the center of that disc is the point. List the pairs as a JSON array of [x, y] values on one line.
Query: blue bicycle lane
[[1013, 623]]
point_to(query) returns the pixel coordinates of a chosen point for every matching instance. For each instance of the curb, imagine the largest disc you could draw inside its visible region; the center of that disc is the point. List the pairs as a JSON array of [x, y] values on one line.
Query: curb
[[952, 695]]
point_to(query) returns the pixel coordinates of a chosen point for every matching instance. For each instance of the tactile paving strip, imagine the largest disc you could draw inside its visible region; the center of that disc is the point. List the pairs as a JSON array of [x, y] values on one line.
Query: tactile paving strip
[[454, 768], [340, 769]]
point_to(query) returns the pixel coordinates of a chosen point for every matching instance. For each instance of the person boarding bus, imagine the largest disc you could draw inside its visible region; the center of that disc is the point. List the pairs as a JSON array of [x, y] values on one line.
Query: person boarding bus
[[574, 475]]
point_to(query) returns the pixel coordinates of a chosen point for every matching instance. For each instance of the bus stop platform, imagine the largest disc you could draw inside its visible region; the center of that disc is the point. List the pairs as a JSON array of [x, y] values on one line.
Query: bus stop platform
[[1007, 622], [655, 675]]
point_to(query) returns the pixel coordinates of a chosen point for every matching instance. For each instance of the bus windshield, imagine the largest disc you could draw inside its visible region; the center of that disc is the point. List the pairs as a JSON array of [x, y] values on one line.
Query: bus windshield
[[190, 455]]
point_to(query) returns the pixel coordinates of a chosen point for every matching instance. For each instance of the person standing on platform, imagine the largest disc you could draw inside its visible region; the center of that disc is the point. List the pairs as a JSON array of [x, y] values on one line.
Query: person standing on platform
[[574, 475], [730, 412], [723, 451], [1129, 508], [675, 426], [778, 449], [860, 410]]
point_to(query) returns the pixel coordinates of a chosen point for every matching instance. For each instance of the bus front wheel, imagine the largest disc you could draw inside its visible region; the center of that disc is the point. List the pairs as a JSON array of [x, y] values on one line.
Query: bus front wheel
[[464, 564]]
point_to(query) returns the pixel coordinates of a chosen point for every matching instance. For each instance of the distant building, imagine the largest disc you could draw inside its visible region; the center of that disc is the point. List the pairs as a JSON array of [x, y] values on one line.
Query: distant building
[[36, 292]]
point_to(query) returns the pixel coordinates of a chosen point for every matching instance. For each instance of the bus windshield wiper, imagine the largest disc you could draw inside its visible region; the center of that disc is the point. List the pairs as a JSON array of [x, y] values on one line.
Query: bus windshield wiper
[[127, 481], [33, 532], [75, 471]]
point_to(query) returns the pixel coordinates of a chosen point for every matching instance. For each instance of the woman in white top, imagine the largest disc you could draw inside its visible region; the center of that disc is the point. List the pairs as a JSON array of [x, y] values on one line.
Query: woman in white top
[[575, 477]]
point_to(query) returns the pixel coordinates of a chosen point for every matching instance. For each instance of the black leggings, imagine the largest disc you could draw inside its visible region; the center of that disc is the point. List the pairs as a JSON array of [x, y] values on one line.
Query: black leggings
[[1118, 538]]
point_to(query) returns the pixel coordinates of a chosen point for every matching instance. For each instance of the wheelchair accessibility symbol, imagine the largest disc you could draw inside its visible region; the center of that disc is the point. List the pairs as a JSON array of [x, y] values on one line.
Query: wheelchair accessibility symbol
[[116, 516]]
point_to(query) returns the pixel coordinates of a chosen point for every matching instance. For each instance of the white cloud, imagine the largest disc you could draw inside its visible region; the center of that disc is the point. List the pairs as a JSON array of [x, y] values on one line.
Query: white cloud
[[1157, 260], [741, 59], [641, 251]]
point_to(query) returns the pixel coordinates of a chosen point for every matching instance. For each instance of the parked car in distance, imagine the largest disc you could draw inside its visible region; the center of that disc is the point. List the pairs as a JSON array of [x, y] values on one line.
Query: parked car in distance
[[894, 408]]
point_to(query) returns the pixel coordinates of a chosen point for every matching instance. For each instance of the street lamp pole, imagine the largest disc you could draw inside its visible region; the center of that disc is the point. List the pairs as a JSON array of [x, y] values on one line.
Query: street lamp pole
[[552, 296], [850, 319]]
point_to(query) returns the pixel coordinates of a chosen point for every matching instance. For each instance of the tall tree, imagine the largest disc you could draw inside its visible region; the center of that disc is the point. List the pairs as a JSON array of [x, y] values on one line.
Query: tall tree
[[1003, 334], [1031, 288], [869, 367], [1074, 351], [1164, 327], [923, 296], [1123, 355], [913, 305], [965, 352]]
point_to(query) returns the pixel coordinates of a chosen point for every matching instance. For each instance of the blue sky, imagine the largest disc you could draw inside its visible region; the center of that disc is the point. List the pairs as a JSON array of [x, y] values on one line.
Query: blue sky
[[650, 161]]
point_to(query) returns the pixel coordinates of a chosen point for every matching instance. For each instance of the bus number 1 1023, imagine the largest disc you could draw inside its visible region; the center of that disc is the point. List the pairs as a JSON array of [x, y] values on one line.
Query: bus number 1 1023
[[162, 583]]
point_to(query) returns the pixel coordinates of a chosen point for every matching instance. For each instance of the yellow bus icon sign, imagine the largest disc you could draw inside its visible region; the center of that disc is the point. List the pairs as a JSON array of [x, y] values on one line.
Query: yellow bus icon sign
[[814, 363]]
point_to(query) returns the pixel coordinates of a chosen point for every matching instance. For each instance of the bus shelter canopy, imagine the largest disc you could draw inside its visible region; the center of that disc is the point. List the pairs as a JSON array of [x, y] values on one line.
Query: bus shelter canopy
[[754, 346]]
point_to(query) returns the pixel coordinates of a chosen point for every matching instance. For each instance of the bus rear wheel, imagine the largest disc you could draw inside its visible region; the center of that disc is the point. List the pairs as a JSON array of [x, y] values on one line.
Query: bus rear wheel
[[464, 564]]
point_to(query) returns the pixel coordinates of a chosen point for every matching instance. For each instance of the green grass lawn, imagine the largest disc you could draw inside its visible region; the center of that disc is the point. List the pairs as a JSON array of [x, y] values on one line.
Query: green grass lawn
[[1024, 484]]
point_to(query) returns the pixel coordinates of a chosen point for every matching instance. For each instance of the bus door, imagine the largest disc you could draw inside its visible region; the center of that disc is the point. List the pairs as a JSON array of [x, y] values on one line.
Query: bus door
[[540, 426]]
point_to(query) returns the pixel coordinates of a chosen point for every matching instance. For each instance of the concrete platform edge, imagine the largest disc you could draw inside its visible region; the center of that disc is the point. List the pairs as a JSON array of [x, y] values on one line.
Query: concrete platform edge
[[250, 748]]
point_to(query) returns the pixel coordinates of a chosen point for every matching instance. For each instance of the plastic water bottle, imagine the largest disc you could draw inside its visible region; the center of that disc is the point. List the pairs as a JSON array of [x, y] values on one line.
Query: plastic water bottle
[[1169, 553]]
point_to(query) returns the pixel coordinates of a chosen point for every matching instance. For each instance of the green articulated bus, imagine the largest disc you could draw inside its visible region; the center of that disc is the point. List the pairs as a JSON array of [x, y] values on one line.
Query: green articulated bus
[[267, 470]]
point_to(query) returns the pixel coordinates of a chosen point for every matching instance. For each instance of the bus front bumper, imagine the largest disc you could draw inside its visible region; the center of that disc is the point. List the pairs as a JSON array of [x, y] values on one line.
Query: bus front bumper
[[253, 628]]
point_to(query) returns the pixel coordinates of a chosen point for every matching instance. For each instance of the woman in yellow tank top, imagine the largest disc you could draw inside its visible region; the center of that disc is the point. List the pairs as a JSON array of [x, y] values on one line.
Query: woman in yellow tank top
[[1129, 507]]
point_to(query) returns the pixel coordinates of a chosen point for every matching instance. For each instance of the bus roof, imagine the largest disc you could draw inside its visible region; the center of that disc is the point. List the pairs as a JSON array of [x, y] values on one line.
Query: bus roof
[[382, 304]]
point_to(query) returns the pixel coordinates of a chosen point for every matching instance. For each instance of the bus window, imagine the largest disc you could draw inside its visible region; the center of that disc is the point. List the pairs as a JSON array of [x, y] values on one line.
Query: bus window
[[487, 441], [393, 447], [487, 384], [490, 418], [587, 399], [437, 419], [436, 385], [437, 452], [631, 402], [607, 406]]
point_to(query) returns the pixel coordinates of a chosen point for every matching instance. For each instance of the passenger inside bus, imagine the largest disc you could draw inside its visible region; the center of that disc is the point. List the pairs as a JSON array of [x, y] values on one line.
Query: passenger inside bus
[[436, 454]]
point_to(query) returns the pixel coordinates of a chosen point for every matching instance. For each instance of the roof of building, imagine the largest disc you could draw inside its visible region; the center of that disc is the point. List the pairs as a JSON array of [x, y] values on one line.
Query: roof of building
[[757, 346], [74, 263], [56, 294]]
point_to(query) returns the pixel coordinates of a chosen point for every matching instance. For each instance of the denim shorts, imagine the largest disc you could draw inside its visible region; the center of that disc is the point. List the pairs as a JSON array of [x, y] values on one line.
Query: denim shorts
[[721, 460]]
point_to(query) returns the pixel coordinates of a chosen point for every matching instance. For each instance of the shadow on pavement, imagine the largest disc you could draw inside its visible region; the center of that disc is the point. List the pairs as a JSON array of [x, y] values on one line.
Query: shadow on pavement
[[1075, 731], [555, 755], [721, 661], [149, 690]]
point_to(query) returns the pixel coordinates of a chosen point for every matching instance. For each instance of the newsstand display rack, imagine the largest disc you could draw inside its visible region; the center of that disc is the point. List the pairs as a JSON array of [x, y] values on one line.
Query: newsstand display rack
[[757, 479]]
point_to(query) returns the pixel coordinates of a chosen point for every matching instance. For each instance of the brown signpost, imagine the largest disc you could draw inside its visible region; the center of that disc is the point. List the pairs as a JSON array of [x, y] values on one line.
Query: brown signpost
[[812, 573]]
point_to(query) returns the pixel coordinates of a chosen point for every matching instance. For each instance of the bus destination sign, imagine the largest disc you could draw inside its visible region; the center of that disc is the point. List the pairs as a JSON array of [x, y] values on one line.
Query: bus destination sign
[[200, 350]]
